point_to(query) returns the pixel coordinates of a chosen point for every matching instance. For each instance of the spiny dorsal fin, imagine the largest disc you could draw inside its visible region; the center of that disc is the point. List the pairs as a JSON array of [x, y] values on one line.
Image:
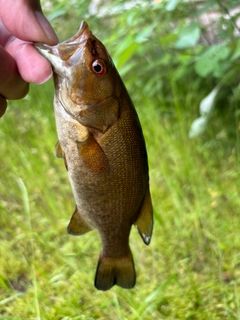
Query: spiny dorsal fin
[[144, 222], [78, 225]]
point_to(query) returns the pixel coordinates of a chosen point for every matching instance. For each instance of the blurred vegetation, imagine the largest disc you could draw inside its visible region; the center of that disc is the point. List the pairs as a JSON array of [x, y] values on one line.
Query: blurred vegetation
[[167, 49], [170, 60]]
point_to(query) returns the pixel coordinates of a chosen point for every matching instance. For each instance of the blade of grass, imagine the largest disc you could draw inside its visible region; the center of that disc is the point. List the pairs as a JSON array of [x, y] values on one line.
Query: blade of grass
[[27, 212]]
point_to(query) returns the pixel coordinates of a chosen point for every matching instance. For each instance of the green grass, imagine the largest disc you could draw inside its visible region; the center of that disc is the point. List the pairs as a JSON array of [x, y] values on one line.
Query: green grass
[[191, 270]]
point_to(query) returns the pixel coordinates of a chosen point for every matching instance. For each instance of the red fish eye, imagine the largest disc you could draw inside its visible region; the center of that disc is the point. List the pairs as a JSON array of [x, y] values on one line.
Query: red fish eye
[[99, 67]]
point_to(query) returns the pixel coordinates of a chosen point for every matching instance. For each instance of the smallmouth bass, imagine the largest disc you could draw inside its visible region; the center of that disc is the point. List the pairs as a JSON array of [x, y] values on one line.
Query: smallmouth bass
[[101, 142]]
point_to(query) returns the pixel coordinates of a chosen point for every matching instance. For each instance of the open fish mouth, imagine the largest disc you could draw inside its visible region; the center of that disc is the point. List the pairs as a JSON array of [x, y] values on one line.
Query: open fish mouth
[[63, 51], [82, 35]]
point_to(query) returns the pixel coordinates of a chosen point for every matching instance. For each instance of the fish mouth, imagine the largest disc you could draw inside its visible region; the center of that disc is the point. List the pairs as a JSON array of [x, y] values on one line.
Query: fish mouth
[[83, 34], [64, 50]]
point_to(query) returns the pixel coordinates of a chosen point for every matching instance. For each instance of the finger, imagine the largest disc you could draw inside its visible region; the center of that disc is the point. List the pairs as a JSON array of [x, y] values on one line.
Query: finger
[[12, 86], [31, 65], [25, 20], [3, 105]]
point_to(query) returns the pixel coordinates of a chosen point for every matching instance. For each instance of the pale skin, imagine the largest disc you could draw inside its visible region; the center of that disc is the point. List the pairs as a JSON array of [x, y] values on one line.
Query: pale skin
[[22, 23]]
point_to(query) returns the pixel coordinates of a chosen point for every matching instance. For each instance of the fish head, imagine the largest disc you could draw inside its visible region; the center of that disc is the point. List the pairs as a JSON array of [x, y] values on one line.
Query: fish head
[[84, 73]]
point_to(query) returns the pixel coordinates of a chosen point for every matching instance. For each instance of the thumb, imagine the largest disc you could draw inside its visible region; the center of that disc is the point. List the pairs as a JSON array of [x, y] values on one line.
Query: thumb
[[25, 20]]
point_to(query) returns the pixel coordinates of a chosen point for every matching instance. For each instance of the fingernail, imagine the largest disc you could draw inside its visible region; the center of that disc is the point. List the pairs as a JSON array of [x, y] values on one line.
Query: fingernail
[[47, 28], [45, 79]]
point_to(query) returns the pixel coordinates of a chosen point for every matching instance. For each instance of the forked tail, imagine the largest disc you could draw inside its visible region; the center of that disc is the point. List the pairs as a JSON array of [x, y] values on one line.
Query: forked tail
[[119, 271]]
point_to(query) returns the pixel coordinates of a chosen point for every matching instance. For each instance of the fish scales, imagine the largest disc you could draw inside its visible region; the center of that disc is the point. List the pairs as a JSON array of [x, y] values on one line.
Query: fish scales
[[102, 144]]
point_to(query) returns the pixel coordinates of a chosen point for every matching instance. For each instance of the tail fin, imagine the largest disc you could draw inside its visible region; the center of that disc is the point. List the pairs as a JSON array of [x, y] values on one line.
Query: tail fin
[[119, 271]]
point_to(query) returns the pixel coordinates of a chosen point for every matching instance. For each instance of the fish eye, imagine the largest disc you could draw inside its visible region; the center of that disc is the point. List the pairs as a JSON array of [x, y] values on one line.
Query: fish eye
[[99, 67]]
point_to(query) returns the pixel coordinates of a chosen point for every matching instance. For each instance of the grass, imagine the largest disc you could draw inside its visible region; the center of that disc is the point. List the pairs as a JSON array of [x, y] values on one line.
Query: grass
[[191, 270]]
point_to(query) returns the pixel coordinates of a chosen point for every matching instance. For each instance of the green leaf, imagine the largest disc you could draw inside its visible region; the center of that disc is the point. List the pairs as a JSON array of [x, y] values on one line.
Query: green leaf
[[198, 127], [236, 53], [207, 104], [211, 61], [144, 34], [189, 36], [172, 5], [56, 14], [126, 54]]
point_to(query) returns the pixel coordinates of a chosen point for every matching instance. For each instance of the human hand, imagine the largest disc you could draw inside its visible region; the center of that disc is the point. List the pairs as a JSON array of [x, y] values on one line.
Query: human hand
[[22, 23]]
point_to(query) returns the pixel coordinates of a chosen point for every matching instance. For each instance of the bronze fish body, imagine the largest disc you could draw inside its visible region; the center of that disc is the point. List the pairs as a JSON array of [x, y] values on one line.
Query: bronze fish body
[[101, 142]]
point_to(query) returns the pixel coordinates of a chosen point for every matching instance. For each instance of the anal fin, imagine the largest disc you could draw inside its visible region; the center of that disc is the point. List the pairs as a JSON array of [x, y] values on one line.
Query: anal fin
[[144, 222], [78, 225]]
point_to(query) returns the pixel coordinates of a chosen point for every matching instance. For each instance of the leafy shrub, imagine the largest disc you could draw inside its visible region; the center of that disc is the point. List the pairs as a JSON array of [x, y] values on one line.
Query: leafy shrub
[[165, 50]]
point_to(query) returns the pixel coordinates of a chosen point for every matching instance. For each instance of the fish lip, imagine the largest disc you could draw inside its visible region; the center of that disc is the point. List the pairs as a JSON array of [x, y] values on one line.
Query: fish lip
[[51, 53], [45, 49]]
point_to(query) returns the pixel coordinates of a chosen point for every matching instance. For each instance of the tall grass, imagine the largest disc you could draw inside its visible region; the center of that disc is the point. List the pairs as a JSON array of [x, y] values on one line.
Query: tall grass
[[191, 269]]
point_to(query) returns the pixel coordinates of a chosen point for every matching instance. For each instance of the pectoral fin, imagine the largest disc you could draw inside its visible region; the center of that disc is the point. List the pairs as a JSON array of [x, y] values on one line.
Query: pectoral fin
[[58, 152], [78, 225], [144, 222], [93, 155]]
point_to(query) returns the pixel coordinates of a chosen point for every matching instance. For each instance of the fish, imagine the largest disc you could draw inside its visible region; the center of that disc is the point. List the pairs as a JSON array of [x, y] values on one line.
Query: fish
[[101, 142]]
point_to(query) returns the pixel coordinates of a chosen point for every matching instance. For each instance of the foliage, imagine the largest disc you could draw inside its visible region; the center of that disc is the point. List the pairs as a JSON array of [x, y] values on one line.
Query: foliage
[[163, 45], [191, 269]]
